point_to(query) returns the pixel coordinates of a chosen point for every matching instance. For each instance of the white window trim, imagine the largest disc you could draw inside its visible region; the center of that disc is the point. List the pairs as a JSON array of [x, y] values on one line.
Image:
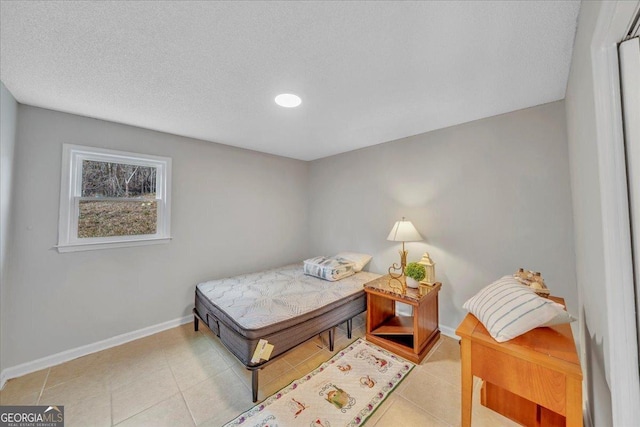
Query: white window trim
[[72, 157]]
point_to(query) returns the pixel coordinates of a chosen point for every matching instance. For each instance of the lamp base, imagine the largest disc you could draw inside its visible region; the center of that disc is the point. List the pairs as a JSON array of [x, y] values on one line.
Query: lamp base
[[403, 258], [398, 281]]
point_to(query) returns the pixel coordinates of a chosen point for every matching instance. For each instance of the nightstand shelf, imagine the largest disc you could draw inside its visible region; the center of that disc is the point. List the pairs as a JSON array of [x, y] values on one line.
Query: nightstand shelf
[[408, 336], [396, 325]]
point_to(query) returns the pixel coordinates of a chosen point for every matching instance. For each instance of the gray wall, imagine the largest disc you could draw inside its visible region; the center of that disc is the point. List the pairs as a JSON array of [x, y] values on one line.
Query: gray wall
[[233, 211], [585, 186], [8, 109], [488, 196]]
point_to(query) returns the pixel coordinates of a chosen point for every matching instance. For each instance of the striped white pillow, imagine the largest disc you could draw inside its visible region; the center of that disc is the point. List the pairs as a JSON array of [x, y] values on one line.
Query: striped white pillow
[[508, 309]]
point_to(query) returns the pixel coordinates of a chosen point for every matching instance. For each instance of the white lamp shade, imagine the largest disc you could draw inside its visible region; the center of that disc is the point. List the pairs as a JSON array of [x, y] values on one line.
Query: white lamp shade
[[404, 231]]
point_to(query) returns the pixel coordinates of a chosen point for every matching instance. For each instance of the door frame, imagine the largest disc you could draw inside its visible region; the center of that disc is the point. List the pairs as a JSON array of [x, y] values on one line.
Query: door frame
[[623, 373]]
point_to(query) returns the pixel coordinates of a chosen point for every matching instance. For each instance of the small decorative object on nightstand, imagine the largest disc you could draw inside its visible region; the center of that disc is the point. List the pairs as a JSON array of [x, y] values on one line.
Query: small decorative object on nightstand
[[402, 231], [430, 270], [534, 280], [414, 273]]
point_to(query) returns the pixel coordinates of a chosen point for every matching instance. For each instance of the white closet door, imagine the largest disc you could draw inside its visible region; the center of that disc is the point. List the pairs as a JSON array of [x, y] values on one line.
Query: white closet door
[[629, 54]]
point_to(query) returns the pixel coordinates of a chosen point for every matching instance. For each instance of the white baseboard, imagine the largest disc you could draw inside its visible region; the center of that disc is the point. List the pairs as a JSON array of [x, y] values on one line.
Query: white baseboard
[[65, 356], [450, 332]]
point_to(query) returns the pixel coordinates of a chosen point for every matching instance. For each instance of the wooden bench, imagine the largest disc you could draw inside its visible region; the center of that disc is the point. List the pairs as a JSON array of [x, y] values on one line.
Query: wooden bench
[[534, 379]]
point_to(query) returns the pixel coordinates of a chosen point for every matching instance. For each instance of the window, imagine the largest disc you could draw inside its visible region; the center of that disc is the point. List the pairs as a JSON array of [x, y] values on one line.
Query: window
[[112, 199]]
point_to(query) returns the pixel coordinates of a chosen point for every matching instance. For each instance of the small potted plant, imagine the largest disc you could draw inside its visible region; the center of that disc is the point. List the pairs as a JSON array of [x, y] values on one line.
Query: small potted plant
[[415, 273]]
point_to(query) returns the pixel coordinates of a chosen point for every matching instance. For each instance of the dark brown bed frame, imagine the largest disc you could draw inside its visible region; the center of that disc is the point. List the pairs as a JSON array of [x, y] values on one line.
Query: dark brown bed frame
[[283, 335]]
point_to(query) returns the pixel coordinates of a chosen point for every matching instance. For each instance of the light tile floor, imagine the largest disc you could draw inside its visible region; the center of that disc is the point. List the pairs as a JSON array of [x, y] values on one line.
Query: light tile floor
[[184, 378]]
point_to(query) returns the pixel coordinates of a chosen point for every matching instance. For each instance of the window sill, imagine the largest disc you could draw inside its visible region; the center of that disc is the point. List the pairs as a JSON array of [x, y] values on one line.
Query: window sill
[[77, 247]]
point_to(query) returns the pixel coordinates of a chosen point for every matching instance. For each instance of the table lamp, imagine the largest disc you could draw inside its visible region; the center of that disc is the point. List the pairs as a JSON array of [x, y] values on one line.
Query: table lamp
[[402, 231]]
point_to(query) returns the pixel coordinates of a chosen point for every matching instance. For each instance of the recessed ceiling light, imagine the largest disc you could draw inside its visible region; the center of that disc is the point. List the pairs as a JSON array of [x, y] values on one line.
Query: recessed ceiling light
[[288, 100]]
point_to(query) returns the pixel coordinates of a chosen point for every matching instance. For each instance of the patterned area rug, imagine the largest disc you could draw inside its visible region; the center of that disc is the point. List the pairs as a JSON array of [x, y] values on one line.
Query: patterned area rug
[[343, 391]]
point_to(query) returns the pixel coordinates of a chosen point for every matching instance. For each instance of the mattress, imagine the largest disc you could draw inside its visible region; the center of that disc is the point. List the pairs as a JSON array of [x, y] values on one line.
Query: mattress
[[282, 305]]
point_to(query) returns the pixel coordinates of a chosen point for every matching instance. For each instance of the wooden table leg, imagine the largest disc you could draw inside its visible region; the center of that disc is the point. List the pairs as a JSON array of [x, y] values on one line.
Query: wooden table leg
[[467, 382], [574, 402]]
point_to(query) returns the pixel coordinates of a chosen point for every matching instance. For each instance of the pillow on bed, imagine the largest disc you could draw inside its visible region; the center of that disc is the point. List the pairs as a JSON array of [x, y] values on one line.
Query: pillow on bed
[[359, 260], [508, 309], [330, 269]]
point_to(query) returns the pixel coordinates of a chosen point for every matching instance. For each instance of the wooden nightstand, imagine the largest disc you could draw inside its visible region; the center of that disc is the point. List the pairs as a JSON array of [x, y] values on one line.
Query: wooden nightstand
[[408, 336]]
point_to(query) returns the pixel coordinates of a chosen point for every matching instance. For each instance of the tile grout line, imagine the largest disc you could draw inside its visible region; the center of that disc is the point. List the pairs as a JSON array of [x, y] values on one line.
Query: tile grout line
[[383, 412], [320, 350], [453, 384], [43, 386], [111, 406], [229, 367], [180, 391], [444, 378], [423, 410], [145, 409], [188, 408], [164, 358]]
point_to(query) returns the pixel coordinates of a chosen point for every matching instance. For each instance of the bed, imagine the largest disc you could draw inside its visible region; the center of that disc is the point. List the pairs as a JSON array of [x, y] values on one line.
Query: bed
[[283, 306]]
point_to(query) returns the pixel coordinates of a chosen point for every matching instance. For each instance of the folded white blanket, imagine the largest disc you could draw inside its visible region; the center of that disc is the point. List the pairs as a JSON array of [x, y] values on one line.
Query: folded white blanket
[[330, 269]]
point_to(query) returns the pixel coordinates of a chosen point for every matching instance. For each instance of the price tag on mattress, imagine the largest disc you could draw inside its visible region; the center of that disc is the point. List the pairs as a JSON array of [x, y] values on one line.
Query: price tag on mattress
[[262, 352]]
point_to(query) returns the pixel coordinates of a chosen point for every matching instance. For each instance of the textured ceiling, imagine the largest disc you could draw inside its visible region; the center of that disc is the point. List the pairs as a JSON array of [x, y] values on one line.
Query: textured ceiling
[[367, 72]]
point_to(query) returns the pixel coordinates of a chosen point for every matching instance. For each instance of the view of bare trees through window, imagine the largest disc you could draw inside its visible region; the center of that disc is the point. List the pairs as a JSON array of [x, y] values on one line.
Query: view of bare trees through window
[[117, 200]]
